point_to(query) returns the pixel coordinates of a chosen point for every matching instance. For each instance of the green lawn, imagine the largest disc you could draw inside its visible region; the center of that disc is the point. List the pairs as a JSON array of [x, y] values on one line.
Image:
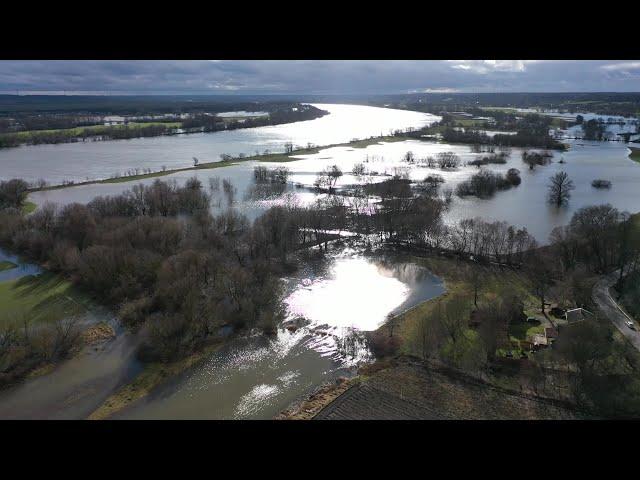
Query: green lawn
[[25, 135], [43, 298], [524, 330], [455, 276], [635, 154], [6, 265]]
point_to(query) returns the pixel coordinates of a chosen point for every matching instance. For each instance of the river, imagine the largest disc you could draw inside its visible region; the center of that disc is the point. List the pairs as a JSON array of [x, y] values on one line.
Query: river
[[103, 159]]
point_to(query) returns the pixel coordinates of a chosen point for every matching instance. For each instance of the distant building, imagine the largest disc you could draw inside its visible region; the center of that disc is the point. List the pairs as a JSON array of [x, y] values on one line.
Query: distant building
[[577, 315]]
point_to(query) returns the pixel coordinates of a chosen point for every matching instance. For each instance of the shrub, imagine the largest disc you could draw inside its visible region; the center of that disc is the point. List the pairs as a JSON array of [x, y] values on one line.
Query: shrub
[[383, 345], [599, 183]]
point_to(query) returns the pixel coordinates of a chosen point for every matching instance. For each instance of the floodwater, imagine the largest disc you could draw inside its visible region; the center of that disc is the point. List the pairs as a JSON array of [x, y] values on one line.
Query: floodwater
[[258, 377], [23, 268], [98, 160], [76, 387], [522, 206]]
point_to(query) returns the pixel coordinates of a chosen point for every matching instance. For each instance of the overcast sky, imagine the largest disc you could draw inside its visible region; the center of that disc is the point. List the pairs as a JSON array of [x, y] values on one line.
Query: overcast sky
[[317, 77]]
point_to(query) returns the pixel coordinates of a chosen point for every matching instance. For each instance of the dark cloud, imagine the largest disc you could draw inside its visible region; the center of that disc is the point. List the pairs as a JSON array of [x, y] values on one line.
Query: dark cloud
[[396, 76]]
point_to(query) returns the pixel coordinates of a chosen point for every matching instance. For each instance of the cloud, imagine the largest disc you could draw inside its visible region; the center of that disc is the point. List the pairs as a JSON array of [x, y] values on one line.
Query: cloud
[[621, 66], [434, 90], [488, 66], [315, 77]]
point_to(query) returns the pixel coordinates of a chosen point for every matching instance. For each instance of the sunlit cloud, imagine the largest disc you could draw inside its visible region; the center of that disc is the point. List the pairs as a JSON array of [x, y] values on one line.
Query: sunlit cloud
[[487, 66], [621, 66], [434, 90]]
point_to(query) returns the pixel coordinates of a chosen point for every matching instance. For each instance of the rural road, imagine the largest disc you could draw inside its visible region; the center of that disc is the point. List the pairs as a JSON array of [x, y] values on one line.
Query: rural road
[[612, 310]]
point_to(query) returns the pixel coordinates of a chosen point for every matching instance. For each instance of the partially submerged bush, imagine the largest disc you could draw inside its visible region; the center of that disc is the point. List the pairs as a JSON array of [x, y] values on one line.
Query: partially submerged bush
[[599, 183], [536, 158], [485, 183], [496, 158]]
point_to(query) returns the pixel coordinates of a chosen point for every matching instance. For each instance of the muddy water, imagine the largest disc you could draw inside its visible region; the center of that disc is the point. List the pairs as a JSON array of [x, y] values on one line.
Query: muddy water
[[258, 377], [76, 387]]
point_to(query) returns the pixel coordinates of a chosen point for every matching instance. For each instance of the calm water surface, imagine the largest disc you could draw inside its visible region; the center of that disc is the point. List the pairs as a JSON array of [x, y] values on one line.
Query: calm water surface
[[97, 160]]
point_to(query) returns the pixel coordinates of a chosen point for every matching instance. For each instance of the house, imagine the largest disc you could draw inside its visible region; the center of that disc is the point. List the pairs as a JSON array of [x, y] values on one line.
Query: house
[[550, 333], [576, 315], [539, 341]]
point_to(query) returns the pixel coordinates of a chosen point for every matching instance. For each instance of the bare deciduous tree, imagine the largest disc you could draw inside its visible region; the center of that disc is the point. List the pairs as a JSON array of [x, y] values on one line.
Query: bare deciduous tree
[[560, 187]]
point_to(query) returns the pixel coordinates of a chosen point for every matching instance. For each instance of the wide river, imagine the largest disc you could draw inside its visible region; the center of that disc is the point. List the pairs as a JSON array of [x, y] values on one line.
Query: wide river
[[98, 160]]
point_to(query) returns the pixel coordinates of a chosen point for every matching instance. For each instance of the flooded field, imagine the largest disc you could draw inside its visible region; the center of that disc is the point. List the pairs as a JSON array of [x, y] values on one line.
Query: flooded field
[[523, 206], [258, 377], [329, 303]]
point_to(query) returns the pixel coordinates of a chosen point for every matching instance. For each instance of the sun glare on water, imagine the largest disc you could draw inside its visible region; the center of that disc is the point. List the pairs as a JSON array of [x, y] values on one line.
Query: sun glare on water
[[356, 293]]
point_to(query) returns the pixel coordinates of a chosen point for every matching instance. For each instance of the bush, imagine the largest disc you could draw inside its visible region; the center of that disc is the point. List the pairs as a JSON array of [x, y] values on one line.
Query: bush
[[599, 183], [383, 345], [485, 183]]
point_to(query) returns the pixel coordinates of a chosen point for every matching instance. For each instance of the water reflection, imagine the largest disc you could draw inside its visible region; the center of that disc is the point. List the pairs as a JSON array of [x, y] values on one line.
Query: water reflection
[[258, 377]]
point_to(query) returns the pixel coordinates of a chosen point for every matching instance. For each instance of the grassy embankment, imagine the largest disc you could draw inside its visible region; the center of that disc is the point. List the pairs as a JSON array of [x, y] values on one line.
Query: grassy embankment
[[271, 157], [635, 154], [44, 298], [6, 265], [153, 375]]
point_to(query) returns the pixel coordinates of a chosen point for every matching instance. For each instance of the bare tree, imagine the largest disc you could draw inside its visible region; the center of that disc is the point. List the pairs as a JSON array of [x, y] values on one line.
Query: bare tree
[[560, 187]]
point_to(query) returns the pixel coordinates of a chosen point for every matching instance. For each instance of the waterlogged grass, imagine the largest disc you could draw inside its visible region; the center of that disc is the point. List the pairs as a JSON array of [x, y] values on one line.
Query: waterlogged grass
[[152, 376], [28, 207], [43, 298], [635, 154], [6, 265]]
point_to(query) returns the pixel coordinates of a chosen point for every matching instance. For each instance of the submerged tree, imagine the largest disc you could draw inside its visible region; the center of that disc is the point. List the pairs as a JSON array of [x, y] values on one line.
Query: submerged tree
[[560, 186]]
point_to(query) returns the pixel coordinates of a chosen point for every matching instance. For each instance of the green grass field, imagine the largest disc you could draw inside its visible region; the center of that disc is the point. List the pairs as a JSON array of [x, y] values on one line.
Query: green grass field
[[635, 154], [43, 298]]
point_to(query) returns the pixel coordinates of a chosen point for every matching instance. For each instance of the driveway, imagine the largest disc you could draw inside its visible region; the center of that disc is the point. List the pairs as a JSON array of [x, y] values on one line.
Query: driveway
[[612, 310]]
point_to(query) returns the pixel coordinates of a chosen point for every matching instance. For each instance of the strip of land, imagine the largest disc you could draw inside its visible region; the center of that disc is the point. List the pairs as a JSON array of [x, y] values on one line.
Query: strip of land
[[266, 157]]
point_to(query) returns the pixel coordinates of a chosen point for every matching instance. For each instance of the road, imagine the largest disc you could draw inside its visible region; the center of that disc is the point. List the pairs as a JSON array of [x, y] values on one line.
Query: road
[[612, 310]]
